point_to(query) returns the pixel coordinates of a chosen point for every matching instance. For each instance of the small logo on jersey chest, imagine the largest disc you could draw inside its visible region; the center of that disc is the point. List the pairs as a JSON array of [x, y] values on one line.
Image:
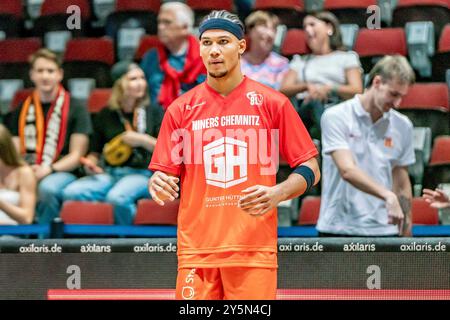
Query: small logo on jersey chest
[[190, 107], [256, 99]]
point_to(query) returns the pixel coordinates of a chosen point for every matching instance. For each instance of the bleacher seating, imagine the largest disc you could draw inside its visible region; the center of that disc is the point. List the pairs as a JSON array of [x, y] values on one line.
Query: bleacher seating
[[54, 17], [422, 151], [372, 44], [149, 212], [309, 211], [348, 11], [132, 14], [422, 213], [98, 99], [11, 18], [427, 105], [436, 11], [94, 63], [80, 212], [14, 55], [147, 42], [201, 8], [290, 12], [441, 59], [438, 170], [294, 43]]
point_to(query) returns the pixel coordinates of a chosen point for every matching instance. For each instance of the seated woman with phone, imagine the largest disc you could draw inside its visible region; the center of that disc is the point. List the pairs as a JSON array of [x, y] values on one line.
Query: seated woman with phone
[[120, 151]]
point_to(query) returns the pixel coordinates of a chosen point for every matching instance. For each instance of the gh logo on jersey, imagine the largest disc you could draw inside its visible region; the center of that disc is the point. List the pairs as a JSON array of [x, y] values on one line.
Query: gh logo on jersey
[[255, 98], [220, 159]]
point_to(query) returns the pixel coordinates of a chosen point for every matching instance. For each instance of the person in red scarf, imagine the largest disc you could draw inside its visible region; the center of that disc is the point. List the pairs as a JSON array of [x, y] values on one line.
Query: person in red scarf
[[50, 132], [175, 66]]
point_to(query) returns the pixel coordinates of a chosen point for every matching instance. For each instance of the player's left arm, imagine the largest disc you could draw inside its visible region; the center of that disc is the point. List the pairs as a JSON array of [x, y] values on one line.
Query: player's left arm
[[261, 199], [402, 188]]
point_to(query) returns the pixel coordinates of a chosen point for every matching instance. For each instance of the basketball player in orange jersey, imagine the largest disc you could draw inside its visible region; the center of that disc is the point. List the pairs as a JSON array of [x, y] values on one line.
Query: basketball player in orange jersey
[[222, 140]]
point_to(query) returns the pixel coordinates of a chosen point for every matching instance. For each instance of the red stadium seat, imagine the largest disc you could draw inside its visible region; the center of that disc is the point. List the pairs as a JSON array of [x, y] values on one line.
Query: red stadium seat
[[201, 8], [444, 41], [427, 96], [210, 5], [18, 50], [59, 7], [93, 63], [374, 43], [149, 212], [422, 213], [277, 4], [100, 50], [294, 43], [147, 42], [54, 17], [441, 60], [349, 11], [12, 7], [137, 5], [426, 104], [20, 97], [436, 11], [98, 99], [14, 54], [11, 17], [438, 170], [309, 211], [80, 212], [441, 151], [290, 12], [132, 14]]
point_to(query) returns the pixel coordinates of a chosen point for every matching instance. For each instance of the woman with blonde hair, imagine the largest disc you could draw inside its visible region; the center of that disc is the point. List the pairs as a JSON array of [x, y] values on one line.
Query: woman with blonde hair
[[120, 150], [17, 184]]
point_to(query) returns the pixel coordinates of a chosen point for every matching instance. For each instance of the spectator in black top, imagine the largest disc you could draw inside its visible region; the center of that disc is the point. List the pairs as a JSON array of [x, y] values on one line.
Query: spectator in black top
[[51, 133], [124, 137]]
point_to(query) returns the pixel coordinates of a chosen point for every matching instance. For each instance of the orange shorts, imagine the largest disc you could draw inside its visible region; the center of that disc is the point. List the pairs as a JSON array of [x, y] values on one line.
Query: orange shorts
[[228, 283]]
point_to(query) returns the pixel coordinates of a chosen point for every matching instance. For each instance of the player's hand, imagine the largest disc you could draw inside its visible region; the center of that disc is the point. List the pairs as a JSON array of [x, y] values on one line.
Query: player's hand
[[259, 199], [163, 187], [395, 213], [436, 198]]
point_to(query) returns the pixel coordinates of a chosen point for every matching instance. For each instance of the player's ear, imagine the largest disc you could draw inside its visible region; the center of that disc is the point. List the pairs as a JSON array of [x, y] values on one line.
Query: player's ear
[[242, 46]]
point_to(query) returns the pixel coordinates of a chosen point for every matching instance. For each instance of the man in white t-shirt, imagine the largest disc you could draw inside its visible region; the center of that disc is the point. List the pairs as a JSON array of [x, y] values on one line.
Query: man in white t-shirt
[[367, 148]]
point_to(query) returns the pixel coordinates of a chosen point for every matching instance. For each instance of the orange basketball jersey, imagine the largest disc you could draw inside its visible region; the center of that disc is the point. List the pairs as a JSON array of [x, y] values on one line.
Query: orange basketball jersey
[[220, 146]]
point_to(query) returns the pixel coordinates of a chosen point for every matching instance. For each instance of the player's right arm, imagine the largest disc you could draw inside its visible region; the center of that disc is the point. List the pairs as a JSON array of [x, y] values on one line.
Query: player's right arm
[[163, 186]]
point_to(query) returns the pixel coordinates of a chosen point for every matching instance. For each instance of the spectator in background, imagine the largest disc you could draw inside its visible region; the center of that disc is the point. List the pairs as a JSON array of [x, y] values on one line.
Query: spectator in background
[[436, 198], [175, 66], [51, 133], [17, 184], [326, 76], [260, 63], [124, 137], [367, 148]]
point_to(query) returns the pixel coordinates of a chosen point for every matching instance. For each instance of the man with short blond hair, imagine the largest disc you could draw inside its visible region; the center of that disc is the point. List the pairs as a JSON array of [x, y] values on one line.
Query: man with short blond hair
[[367, 147]]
